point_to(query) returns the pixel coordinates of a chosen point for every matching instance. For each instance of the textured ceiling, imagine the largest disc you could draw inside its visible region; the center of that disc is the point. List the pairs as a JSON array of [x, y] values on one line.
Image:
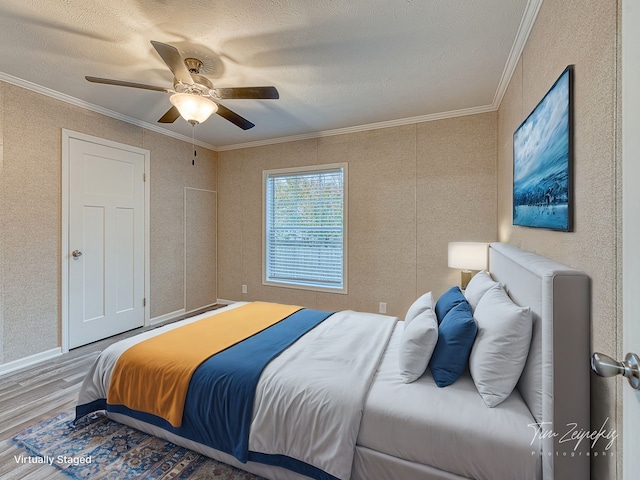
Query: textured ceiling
[[338, 64]]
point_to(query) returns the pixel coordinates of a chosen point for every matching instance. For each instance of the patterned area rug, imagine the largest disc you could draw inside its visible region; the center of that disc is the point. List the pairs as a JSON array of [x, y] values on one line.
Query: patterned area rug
[[97, 447]]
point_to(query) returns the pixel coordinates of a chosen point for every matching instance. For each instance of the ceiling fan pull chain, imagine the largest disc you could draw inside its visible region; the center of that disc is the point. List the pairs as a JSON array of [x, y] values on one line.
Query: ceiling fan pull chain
[[193, 143]]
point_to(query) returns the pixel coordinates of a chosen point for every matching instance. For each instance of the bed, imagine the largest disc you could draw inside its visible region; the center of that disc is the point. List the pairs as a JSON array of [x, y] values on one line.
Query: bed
[[365, 423]]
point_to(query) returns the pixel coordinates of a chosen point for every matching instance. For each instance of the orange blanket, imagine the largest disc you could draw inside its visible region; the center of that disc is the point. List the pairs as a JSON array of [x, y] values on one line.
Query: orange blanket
[[153, 376]]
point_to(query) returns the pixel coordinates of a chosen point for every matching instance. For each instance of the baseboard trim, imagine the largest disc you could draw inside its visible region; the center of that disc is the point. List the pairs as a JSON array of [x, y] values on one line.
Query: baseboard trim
[[199, 310], [225, 302], [180, 314], [14, 365], [166, 317]]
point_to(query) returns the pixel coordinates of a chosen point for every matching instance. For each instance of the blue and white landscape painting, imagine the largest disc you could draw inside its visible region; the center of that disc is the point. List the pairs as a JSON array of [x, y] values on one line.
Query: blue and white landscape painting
[[541, 162]]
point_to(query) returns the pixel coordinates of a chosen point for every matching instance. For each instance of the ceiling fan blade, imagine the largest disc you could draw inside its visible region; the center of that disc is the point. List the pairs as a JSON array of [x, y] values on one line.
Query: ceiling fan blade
[[234, 118], [120, 83], [171, 56], [171, 116], [270, 93]]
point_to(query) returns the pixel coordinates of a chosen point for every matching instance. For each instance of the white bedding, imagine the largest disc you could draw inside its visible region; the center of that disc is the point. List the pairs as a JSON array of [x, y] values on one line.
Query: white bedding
[[448, 428]]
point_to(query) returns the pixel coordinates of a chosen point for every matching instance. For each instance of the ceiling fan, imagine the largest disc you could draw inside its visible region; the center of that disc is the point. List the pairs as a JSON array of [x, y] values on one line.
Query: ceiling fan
[[193, 95]]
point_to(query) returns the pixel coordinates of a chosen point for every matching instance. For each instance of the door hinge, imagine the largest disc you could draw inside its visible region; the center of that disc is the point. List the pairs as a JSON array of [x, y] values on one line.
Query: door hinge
[[144, 302], [144, 177]]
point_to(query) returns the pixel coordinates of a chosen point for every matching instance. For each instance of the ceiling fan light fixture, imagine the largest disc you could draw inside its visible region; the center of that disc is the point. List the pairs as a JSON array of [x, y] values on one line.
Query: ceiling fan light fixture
[[193, 108]]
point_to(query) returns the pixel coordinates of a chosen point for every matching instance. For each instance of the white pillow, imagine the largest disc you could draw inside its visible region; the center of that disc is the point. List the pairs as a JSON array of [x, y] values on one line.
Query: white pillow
[[417, 344], [477, 287], [420, 305], [501, 346]]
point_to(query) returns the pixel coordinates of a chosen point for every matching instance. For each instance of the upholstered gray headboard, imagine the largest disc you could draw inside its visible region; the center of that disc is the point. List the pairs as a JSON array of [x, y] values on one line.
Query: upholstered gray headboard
[[555, 380]]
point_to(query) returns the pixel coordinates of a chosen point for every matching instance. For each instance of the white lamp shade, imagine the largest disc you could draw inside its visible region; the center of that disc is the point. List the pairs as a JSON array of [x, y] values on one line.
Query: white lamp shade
[[193, 108], [468, 255]]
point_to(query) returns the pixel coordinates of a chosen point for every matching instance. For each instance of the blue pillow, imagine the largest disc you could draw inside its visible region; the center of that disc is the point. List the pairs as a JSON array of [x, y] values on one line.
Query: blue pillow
[[447, 301], [456, 335]]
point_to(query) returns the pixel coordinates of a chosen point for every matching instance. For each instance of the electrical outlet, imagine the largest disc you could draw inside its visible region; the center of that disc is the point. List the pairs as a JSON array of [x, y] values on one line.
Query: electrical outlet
[[383, 307], [244, 289]]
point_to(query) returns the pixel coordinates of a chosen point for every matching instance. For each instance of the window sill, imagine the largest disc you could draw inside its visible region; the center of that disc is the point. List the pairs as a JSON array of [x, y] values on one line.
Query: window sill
[[339, 291]]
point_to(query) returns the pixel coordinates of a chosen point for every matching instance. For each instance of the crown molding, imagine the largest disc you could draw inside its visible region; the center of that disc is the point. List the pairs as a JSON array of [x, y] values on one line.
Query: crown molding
[[63, 97], [524, 30], [362, 128]]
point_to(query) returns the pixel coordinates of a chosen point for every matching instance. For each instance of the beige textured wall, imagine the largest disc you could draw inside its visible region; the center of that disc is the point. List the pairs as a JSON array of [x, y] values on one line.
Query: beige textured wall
[[456, 191], [412, 189], [171, 173], [31, 210], [582, 33], [201, 246]]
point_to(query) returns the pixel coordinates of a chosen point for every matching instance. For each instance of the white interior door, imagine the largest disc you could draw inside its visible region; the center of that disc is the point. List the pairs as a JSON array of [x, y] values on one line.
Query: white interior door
[[106, 240], [631, 227]]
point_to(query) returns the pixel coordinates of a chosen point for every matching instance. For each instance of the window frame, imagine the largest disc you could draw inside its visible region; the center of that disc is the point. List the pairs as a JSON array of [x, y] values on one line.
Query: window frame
[[308, 169]]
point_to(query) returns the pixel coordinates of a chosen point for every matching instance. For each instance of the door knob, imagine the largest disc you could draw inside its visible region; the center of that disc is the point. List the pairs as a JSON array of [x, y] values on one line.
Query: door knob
[[605, 366], [76, 253]]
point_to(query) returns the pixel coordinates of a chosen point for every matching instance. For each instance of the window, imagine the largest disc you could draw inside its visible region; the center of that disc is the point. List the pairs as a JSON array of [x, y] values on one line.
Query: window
[[305, 227]]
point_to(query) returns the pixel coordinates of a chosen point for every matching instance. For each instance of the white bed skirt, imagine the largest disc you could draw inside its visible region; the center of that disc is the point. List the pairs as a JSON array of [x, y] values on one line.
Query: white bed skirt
[[368, 464], [372, 465]]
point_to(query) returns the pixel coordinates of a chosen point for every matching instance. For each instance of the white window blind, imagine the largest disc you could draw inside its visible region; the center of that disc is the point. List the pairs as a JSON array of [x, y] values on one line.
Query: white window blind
[[305, 227]]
